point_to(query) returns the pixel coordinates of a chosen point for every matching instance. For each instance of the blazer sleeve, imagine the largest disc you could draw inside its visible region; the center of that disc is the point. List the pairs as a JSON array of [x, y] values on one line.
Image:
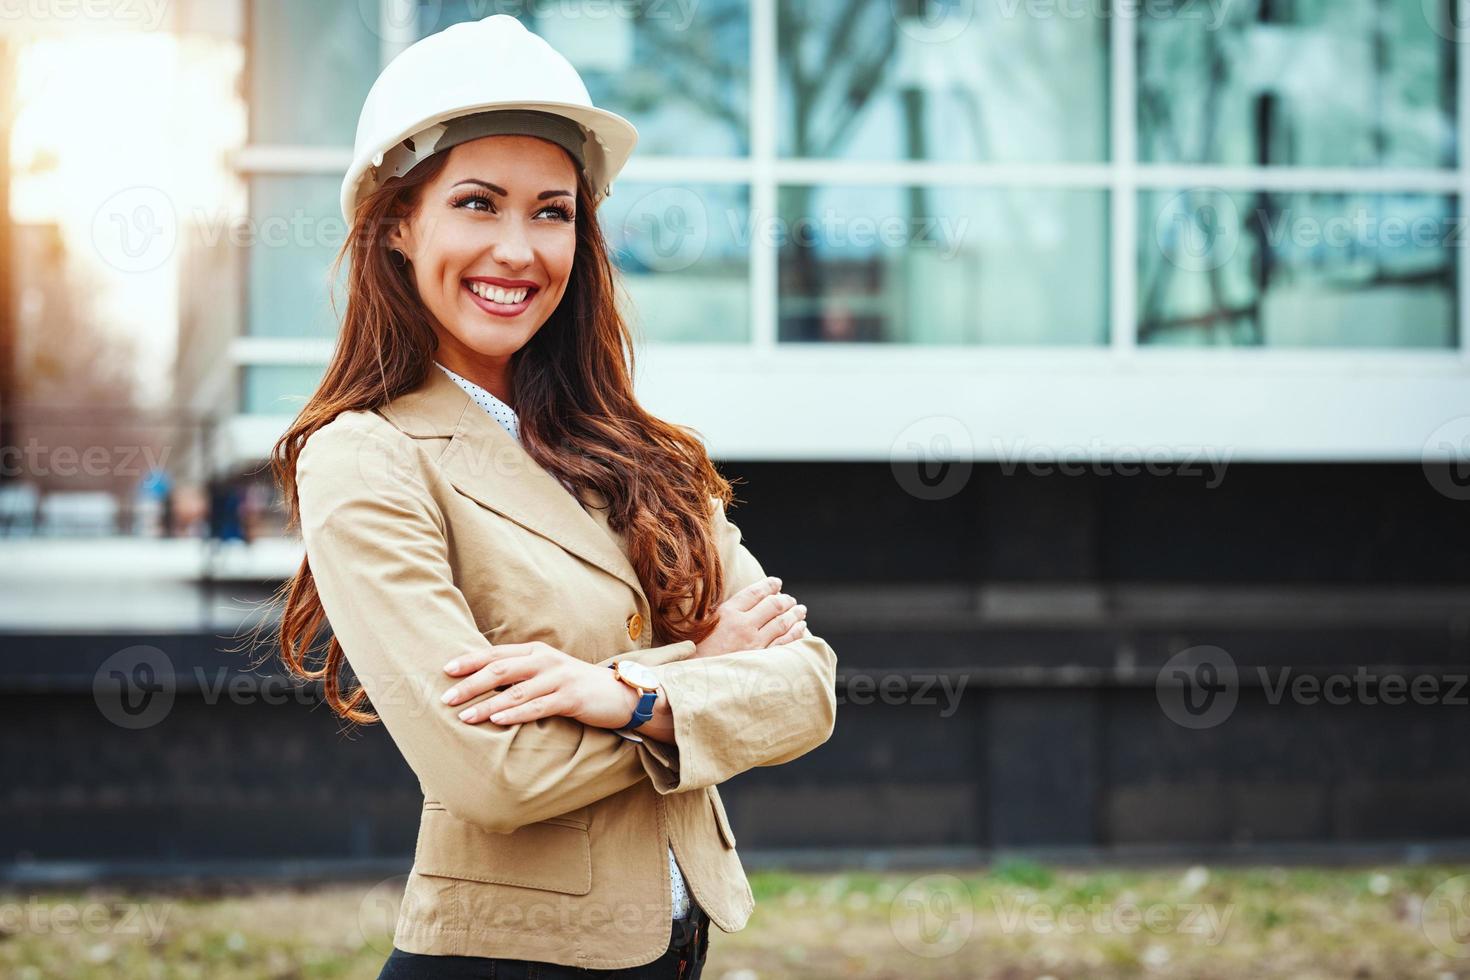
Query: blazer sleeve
[[750, 708], [376, 546]]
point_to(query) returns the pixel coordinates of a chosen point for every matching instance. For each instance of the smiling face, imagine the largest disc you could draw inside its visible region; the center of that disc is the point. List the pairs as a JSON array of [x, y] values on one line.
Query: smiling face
[[491, 245]]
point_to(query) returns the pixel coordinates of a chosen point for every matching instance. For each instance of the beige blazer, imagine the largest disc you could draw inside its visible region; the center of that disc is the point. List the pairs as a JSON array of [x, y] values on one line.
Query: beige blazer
[[430, 532]]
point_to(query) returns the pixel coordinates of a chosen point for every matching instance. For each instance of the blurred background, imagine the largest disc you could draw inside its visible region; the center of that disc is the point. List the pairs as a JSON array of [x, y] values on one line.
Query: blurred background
[[1098, 373]]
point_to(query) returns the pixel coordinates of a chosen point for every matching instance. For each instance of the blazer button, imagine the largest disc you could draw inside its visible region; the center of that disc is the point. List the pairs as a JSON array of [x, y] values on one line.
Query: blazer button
[[635, 626]]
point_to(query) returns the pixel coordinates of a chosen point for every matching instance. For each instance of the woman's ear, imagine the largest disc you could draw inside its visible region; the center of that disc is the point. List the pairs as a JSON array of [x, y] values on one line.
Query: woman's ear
[[398, 236], [400, 232]]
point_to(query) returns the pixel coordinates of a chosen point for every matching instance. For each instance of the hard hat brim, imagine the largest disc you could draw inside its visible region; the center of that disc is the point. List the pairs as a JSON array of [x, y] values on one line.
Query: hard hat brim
[[611, 143]]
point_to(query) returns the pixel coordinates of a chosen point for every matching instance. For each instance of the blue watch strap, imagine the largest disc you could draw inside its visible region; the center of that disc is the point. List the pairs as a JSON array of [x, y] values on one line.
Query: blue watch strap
[[644, 711]]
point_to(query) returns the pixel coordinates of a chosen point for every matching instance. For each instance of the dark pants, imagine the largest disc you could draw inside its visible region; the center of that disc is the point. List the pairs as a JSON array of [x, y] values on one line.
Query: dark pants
[[684, 960]]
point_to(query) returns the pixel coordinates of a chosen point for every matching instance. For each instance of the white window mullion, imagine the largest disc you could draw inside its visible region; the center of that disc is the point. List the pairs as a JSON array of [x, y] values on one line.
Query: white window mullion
[[763, 215], [397, 27], [1123, 210], [1462, 172], [262, 158], [281, 351], [272, 158]]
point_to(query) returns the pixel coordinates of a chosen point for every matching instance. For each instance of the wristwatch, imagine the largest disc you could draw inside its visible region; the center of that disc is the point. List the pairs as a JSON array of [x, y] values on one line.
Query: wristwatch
[[641, 678]]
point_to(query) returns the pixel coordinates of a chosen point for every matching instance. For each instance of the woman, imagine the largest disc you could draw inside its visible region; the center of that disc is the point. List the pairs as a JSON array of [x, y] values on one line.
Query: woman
[[492, 521]]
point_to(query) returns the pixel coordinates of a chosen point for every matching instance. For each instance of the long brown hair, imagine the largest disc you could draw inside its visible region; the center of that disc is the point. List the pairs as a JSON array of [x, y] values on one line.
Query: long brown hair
[[578, 420]]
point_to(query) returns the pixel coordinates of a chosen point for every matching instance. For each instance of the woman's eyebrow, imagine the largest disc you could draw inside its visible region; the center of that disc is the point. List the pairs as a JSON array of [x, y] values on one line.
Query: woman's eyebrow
[[502, 191]]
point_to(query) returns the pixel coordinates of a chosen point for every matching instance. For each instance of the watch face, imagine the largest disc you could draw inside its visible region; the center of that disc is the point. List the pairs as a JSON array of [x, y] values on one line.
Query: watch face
[[638, 673]]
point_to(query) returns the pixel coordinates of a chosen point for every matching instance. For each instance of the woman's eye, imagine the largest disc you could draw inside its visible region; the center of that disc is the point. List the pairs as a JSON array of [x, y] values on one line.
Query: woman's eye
[[487, 206], [476, 199]]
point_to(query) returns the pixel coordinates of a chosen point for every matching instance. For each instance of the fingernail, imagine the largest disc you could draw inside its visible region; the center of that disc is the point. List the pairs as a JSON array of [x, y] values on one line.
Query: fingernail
[[466, 713], [448, 696], [452, 666], [497, 717], [802, 608], [775, 581]]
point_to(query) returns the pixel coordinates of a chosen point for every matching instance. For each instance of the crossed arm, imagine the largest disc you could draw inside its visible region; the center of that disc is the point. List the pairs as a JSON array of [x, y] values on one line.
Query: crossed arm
[[533, 680], [379, 558]]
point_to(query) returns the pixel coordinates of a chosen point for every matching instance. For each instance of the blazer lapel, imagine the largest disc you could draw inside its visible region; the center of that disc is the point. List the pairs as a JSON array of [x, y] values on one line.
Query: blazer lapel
[[485, 463]]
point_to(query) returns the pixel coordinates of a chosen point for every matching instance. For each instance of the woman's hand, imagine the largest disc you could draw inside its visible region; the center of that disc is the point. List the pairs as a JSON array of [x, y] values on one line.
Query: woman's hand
[[754, 618], [543, 681]]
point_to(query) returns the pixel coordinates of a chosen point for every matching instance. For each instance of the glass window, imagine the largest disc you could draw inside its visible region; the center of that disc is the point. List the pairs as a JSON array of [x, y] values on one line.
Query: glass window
[[684, 254], [1296, 83], [278, 389], [311, 65], [977, 82], [678, 72], [943, 265], [1298, 269], [295, 231]]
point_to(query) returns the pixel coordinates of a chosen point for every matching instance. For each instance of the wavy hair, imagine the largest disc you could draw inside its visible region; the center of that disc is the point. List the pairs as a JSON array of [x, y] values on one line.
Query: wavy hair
[[579, 421]]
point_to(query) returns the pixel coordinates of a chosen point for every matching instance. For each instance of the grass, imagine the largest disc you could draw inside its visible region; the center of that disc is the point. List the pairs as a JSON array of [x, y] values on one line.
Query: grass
[[1014, 921]]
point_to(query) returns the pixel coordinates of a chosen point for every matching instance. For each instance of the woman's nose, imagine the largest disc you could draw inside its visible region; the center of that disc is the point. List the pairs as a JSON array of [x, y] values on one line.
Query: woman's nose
[[511, 247]]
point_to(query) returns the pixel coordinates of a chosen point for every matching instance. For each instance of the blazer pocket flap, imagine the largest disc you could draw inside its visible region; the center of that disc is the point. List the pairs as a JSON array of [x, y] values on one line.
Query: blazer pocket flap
[[553, 855], [721, 819]]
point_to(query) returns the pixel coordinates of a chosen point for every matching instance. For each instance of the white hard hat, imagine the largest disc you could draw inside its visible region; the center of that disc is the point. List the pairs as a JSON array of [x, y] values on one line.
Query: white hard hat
[[453, 86]]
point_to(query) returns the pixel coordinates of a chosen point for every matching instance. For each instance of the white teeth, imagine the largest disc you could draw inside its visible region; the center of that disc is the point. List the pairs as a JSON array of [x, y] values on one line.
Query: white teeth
[[495, 294]]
